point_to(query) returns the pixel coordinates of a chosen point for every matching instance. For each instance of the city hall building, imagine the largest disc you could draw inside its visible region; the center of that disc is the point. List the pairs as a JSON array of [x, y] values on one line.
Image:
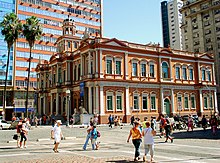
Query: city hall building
[[108, 76]]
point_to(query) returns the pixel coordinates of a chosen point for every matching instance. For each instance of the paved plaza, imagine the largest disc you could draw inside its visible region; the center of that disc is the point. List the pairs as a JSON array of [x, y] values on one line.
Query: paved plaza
[[188, 147]]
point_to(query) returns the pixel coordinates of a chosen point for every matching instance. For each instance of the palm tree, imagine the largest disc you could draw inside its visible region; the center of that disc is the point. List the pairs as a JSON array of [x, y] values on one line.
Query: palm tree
[[32, 31], [11, 28]]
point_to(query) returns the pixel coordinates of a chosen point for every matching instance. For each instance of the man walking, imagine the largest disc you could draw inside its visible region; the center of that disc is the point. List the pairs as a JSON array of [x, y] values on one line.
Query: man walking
[[110, 120]]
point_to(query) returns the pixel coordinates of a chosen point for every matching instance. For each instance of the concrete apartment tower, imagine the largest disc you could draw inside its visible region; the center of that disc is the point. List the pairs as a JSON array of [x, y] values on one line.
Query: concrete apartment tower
[[171, 22], [86, 15], [201, 30]]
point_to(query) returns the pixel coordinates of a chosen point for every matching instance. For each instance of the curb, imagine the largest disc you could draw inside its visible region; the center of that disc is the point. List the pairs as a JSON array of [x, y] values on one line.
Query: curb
[[12, 141], [69, 138], [43, 139]]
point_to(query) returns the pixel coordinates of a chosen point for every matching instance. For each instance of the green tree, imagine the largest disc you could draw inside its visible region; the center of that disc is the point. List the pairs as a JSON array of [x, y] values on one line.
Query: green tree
[[11, 28], [32, 31]]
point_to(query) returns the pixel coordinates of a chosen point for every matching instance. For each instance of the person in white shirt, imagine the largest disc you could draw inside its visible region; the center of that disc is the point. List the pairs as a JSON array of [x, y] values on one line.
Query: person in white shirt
[[148, 134], [57, 135]]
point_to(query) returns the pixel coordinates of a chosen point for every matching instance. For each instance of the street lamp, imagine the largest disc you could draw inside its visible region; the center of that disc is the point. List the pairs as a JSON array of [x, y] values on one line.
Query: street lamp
[[68, 105]]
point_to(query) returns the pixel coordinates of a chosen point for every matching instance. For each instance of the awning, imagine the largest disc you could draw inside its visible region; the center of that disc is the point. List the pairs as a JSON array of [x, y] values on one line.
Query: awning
[[24, 110]]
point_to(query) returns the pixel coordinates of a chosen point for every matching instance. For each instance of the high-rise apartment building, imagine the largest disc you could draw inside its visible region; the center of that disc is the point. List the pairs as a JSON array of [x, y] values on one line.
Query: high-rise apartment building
[[171, 22], [87, 15], [201, 29]]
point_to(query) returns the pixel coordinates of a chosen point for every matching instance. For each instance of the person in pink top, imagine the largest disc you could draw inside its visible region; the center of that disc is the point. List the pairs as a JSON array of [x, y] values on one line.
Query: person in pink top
[[190, 123]]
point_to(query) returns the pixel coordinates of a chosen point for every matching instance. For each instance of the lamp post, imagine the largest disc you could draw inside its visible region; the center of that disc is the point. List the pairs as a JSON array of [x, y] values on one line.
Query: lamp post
[[68, 106]]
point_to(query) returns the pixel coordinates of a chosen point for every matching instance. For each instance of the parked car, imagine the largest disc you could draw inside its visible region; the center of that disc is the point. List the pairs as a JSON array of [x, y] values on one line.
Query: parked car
[[4, 124]]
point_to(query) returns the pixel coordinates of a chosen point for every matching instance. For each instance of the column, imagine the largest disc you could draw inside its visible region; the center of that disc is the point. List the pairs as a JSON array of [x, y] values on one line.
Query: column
[[68, 71], [62, 99], [89, 64], [200, 100], [216, 102], [45, 104], [127, 101], [170, 65], [126, 65], [199, 72], [81, 67], [161, 101], [96, 63], [213, 73], [100, 62], [96, 100], [57, 75], [172, 101], [90, 99], [57, 103], [160, 68], [51, 103], [102, 110]]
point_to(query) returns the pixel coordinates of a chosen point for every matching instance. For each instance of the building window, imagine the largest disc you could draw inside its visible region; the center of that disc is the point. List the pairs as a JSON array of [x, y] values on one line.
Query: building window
[[179, 101], [64, 76], [143, 69], [193, 102], [205, 102], [118, 67], [69, 44], [119, 102], [136, 102], [177, 72], [109, 102], [144, 102], [134, 69], [109, 66], [208, 75], [186, 102], [152, 70], [59, 75], [210, 102], [164, 70], [191, 74], [184, 73], [153, 102], [203, 75]]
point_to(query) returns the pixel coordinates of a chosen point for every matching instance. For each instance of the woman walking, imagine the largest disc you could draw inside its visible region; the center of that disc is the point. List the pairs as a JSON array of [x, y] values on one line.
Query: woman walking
[[168, 129], [94, 136], [148, 134], [57, 135], [136, 135]]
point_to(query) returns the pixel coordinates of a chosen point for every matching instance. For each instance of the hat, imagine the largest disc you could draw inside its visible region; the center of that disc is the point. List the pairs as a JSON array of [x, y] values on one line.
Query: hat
[[59, 121]]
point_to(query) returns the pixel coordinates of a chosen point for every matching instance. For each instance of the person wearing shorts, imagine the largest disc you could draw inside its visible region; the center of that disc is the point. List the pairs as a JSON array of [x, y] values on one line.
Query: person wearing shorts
[[57, 135]]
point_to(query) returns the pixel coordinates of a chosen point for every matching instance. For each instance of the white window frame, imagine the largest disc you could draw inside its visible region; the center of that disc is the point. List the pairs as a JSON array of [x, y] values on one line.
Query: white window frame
[[144, 95], [168, 68], [109, 94], [134, 61], [151, 63], [118, 59], [153, 95], [183, 77], [145, 63], [136, 94], [178, 66], [191, 101], [119, 94], [208, 71], [109, 58], [179, 95], [186, 96], [206, 96], [203, 69], [191, 68]]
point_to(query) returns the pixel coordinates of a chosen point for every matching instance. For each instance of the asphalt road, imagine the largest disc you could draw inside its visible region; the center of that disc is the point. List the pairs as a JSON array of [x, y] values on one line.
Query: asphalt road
[[189, 147]]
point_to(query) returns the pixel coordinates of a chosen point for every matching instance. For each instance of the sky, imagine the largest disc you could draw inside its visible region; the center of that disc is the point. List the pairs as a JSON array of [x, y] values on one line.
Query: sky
[[137, 21]]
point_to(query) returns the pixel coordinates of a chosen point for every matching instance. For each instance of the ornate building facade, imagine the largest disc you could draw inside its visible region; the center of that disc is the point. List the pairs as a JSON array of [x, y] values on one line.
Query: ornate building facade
[[108, 76]]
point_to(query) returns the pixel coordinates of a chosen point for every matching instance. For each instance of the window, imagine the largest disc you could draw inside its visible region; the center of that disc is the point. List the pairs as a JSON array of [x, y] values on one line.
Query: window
[[203, 75], [119, 102], [208, 75], [164, 70], [109, 102], [177, 72], [186, 102], [136, 102], [144, 102], [118, 67], [134, 69], [179, 101], [184, 73], [68, 44], [143, 69], [205, 102], [59, 75], [152, 70], [210, 102], [153, 102], [109, 66], [191, 74], [193, 102]]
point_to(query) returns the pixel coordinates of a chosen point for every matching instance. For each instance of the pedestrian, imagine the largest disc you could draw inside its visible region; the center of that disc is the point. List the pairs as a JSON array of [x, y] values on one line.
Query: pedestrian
[[190, 123], [153, 123], [116, 121], [148, 134], [162, 124], [96, 119], [23, 133], [110, 120], [89, 129], [214, 124], [144, 122], [136, 135], [168, 129], [57, 135], [18, 128], [93, 138], [204, 122], [132, 120]]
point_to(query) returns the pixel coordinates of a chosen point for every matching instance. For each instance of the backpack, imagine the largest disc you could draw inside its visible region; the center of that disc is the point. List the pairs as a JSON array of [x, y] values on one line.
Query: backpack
[[98, 134]]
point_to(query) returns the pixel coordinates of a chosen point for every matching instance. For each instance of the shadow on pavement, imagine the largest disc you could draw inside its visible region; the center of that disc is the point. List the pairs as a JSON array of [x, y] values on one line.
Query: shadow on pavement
[[123, 161], [192, 160], [197, 134]]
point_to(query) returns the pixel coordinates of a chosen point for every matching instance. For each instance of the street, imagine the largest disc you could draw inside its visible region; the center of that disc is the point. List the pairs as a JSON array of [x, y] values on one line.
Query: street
[[198, 146]]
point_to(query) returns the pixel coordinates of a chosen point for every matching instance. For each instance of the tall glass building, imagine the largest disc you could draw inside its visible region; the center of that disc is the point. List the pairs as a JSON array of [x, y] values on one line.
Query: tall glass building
[[87, 15]]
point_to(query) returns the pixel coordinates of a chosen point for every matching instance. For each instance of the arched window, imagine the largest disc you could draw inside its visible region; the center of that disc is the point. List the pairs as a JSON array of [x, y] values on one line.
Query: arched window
[[165, 70]]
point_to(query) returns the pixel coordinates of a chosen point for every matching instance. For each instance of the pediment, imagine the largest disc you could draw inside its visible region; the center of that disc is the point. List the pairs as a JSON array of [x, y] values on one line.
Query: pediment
[[207, 56], [114, 42]]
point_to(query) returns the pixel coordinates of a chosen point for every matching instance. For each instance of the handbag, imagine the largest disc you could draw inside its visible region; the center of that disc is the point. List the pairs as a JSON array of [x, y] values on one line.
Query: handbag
[[15, 137]]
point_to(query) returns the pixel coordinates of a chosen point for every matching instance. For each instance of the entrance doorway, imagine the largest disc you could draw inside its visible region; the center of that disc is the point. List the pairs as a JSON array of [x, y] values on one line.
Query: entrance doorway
[[167, 106]]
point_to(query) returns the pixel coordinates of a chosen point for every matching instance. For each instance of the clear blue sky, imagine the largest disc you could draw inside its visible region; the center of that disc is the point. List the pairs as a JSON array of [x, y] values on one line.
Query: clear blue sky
[[133, 20]]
